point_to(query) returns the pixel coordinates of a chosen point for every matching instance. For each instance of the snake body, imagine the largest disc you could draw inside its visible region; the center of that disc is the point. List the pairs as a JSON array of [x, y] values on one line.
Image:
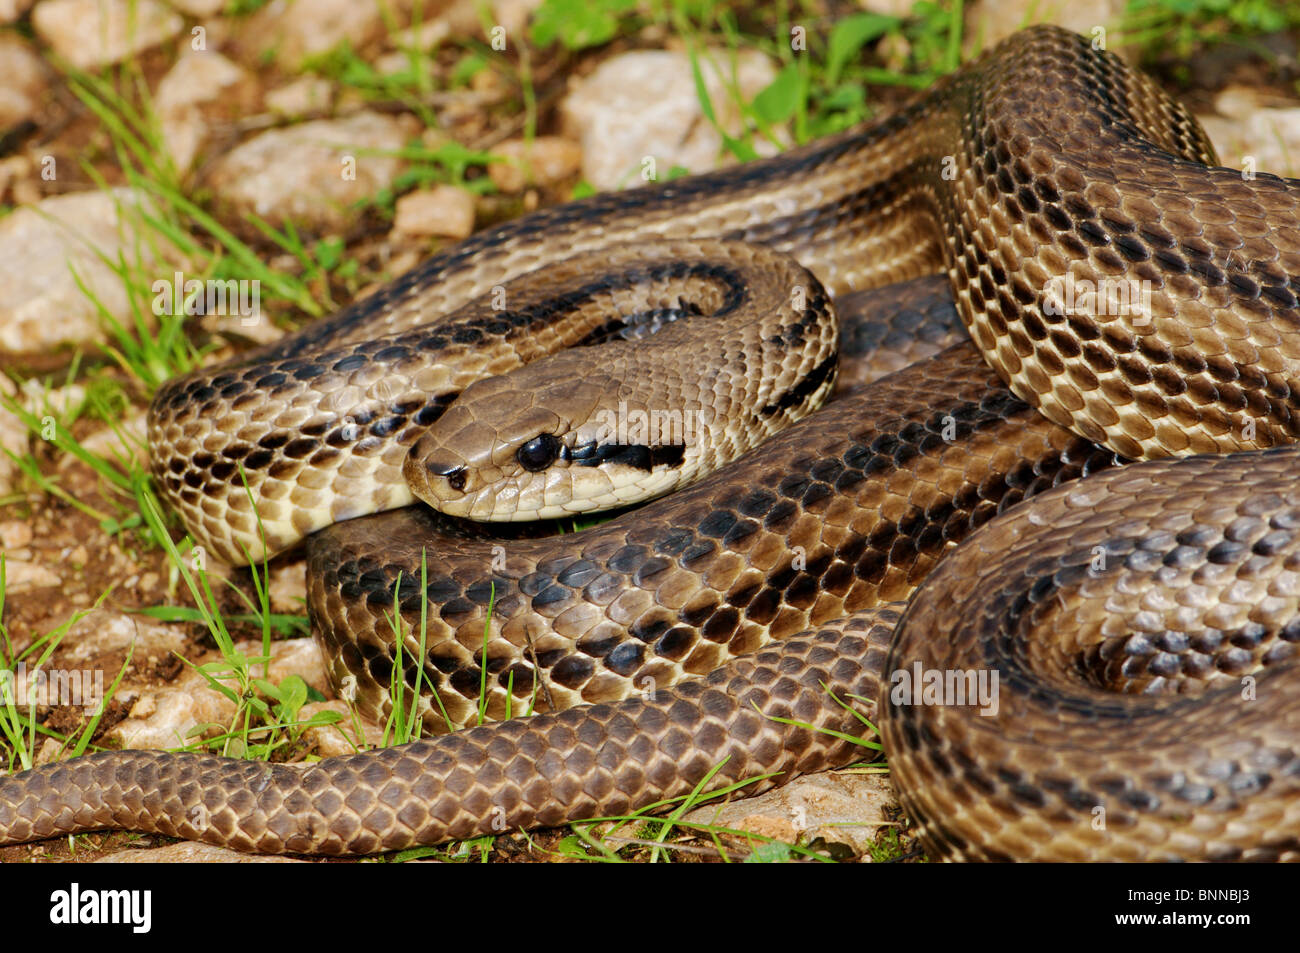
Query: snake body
[[1141, 621]]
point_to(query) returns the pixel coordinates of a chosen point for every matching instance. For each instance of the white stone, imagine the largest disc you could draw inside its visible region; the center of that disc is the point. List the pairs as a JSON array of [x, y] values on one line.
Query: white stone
[[990, 21], [199, 8], [91, 34], [643, 105], [22, 82], [842, 807], [192, 853], [1254, 137], [41, 247], [21, 576], [199, 79], [312, 173], [13, 437], [295, 30], [546, 161], [340, 738], [443, 210], [307, 94], [11, 10], [14, 534]]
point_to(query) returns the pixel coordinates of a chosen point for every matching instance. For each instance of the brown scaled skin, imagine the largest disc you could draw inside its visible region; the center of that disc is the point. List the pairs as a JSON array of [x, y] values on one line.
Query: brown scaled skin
[[1066, 164]]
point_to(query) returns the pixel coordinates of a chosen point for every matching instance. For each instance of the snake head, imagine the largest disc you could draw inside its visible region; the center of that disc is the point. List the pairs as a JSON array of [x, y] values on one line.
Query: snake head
[[541, 442]]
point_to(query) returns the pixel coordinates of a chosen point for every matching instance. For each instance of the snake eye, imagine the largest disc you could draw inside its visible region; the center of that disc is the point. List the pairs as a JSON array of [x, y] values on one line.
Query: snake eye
[[538, 453]]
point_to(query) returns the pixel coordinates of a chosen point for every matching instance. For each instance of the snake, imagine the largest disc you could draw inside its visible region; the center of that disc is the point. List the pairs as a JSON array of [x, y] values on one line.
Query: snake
[[1054, 552]]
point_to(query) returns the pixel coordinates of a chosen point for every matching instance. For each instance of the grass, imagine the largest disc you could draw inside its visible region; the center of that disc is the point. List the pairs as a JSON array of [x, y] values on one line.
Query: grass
[[830, 74]]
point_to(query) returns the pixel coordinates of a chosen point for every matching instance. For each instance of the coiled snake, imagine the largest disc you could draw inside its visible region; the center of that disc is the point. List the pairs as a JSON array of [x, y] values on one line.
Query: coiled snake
[[1140, 622]]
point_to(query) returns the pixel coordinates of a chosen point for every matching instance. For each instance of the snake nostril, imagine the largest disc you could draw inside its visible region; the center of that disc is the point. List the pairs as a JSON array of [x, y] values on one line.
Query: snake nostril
[[454, 472]]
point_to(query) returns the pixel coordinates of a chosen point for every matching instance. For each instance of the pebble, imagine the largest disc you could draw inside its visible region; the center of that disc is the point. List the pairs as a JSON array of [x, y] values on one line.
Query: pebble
[[91, 34], [313, 173], [549, 160], [444, 210]]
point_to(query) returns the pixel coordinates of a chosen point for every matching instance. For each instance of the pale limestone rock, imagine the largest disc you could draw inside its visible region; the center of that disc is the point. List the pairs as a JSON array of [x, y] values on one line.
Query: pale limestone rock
[[104, 631], [40, 249], [301, 657], [1255, 135], [200, 83], [125, 442], [642, 106], [289, 587], [198, 8], [514, 14], [549, 160], [839, 806], [13, 437], [11, 10], [889, 8], [990, 21], [423, 37], [91, 34], [23, 82], [165, 717], [192, 853], [295, 30], [313, 173], [22, 576], [341, 737], [14, 534], [308, 94], [443, 210]]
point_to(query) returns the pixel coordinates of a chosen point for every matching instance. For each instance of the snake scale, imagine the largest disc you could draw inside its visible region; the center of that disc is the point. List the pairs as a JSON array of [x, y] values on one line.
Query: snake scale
[[974, 512]]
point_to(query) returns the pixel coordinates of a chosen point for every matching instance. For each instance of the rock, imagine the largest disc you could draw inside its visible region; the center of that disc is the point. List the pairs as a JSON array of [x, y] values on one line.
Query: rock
[[105, 631], [1252, 136], [423, 37], [313, 173], [167, 717], [294, 30], [514, 14], [550, 160], [642, 106], [91, 34], [13, 437], [289, 587], [40, 247], [14, 534], [192, 853], [443, 210], [23, 82], [309, 94], [125, 441], [11, 10], [839, 807], [21, 576], [201, 86], [888, 8], [341, 737], [990, 21], [14, 172], [301, 657], [198, 8]]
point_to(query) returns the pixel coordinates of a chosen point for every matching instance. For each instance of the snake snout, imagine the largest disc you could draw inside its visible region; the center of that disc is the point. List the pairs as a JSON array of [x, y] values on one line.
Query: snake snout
[[436, 478]]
